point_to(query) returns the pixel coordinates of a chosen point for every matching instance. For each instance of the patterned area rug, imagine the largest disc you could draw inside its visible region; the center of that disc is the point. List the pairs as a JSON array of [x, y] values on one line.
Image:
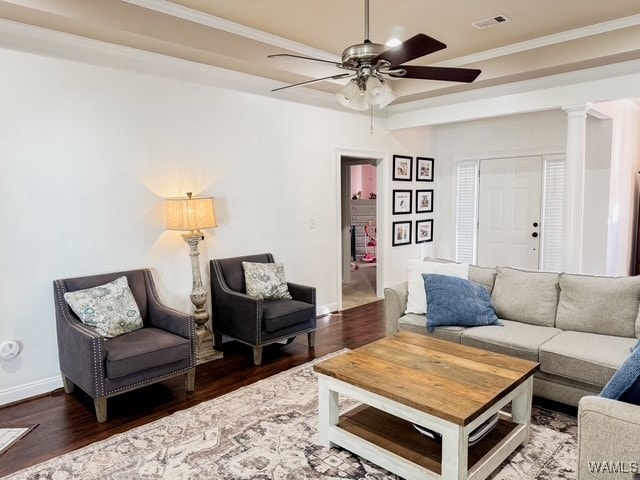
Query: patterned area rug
[[268, 430]]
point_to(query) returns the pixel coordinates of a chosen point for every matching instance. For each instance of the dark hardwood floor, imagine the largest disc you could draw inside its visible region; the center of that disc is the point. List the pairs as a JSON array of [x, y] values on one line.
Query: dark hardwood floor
[[67, 422]]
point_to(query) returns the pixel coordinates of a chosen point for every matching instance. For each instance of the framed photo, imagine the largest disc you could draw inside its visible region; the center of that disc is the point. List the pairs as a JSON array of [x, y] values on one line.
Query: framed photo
[[402, 166], [424, 231], [424, 201], [401, 233], [424, 169], [401, 202]]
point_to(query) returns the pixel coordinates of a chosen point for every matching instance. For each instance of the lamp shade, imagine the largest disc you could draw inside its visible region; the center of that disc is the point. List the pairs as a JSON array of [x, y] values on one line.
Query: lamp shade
[[190, 213]]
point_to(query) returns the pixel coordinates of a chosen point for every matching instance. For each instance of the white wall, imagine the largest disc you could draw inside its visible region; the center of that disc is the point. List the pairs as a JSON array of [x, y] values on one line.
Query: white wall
[[623, 202], [513, 135], [596, 194], [88, 153]]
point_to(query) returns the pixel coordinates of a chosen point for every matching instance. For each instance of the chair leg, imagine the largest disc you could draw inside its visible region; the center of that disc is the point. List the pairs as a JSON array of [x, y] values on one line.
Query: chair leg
[[311, 336], [257, 355], [68, 384], [191, 380], [217, 340], [101, 408]]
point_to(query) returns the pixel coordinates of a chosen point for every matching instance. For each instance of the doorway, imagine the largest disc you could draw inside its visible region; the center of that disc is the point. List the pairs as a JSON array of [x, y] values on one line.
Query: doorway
[[509, 212], [360, 255]]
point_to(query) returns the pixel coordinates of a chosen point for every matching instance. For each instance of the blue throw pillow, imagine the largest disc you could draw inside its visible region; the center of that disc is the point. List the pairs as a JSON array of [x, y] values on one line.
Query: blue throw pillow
[[457, 301], [625, 383]]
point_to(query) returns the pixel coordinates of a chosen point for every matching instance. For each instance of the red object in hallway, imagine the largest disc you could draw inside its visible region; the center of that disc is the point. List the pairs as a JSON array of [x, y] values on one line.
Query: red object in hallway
[[370, 256]]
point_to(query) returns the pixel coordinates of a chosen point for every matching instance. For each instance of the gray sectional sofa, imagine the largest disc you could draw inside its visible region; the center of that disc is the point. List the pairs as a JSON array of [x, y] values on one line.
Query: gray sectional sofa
[[579, 328]]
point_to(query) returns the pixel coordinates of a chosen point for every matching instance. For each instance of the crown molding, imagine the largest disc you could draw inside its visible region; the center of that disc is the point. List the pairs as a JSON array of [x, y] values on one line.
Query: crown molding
[[42, 41], [562, 79], [185, 13], [540, 42], [594, 85], [196, 16]]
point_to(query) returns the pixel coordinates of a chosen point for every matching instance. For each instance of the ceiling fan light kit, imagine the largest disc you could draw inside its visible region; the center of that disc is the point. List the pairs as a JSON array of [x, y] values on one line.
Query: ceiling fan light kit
[[371, 64]]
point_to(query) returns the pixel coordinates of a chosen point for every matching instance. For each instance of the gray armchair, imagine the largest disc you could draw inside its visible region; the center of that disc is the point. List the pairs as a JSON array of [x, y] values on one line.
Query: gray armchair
[[252, 320], [102, 368]]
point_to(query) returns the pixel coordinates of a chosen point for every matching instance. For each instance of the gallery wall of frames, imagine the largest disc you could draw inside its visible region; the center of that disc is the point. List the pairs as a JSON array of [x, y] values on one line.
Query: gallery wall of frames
[[414, 201]]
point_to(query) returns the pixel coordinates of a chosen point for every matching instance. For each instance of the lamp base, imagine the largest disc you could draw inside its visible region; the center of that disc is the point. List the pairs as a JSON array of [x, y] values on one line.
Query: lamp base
[[204, 347]]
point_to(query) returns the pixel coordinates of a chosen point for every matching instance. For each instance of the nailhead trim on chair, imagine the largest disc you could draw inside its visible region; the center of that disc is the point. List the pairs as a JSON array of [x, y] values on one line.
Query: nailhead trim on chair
[[98, 367], [96, 341], [151, 380]]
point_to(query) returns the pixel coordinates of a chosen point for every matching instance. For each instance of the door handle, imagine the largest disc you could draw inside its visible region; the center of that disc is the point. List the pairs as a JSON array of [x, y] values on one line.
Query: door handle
[[534, 234]]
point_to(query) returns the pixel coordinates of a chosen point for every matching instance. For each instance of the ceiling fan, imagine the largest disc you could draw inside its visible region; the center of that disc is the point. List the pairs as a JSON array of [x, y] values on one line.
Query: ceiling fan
[[370, 64]]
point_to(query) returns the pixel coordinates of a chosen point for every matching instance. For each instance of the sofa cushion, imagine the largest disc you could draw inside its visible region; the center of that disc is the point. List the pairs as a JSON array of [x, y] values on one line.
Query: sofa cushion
[[143, 349], [456, 301], [625, 383], [110, 308], [415, 323], [586, 357], [525, 296], [483, 275], [278, 314], [416, 301], [606, 305], [517, 339]]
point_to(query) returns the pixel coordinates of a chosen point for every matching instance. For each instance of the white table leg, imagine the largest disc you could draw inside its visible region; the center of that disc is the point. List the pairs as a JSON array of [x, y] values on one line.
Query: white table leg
[[521, 408], [455, 453], [328, 412]]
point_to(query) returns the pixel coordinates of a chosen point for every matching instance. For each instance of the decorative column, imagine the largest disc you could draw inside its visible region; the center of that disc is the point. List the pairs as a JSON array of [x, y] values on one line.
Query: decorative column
[[204, 346], [574, 188]]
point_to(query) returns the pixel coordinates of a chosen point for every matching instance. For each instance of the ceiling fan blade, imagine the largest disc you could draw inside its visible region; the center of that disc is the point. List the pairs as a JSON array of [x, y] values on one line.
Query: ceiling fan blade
[[450, 74], [332, 77], [415, 47], [335, 64]]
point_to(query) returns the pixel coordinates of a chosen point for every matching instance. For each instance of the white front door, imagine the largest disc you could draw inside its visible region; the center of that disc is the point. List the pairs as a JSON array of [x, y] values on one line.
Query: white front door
[[509, 212]]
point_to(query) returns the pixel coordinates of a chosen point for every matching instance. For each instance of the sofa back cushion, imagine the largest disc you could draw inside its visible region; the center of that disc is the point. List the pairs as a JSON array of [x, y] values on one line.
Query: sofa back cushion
[[483, 275], [525, 296], [605, 305]]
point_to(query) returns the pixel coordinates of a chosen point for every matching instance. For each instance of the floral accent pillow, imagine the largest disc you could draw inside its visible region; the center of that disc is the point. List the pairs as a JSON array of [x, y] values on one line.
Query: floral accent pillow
[[110, 308], [266, 280]]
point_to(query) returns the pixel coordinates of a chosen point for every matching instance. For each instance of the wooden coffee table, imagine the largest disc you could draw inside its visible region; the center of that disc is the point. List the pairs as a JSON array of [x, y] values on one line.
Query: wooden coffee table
[[449, 388]]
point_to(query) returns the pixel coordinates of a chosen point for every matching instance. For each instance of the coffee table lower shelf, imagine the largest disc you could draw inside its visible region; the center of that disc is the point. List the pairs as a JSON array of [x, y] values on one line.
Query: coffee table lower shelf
[[399, 437]]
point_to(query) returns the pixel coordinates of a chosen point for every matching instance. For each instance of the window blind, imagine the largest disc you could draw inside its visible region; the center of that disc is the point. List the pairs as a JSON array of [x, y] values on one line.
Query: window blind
[[466, 211], [551, 250]]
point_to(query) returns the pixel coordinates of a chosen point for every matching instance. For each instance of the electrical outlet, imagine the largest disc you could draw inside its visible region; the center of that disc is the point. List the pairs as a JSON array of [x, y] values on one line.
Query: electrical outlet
[[9, 349], [312, 222]]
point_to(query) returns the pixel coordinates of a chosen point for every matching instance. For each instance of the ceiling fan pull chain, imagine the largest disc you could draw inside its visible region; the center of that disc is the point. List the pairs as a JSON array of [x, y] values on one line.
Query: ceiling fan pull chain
[[371, 119]]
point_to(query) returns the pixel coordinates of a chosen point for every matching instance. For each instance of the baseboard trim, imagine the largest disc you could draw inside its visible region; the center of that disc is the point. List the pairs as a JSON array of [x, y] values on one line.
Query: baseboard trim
[[323, 310], [29, 390]]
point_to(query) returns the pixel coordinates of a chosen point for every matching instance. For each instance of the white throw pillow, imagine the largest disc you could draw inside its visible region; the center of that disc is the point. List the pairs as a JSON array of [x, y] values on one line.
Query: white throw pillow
[[110, 308], [417, 300]]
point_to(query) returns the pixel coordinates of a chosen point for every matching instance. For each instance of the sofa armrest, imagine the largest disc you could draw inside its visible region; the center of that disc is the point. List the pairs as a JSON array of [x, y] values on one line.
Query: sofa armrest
[[303, 293], [81, 351], [395, 303], [164, 317], [608, 432], [169, 319]]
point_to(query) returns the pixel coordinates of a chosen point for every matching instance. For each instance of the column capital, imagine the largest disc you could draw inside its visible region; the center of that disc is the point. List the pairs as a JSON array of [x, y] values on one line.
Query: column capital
[[577, 110]]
